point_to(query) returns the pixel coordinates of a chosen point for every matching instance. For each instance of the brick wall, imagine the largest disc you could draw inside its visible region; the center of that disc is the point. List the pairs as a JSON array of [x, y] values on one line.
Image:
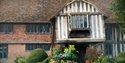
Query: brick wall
[[16, 42], [15, 50], [19, 36]]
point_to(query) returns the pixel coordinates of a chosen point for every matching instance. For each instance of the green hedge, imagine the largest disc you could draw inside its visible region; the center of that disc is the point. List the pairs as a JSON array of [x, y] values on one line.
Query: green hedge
[[20, 59], [37, 55]]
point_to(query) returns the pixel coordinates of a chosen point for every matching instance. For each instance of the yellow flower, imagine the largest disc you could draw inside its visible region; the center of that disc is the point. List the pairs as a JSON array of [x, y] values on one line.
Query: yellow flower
[[98, 59], [102, 58]]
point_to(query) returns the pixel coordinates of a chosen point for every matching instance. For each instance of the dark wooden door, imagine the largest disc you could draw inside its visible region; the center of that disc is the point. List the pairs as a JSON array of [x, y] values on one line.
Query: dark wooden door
[[81, 55]]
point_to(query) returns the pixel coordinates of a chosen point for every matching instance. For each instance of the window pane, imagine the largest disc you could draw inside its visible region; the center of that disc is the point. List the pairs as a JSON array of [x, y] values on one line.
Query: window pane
[[41, 46], [35, 28], [27, 47], [5, 55], [38, 28], [0, 55], [43, 28], [28, 28], [9, 28], [108, 49], [34, 46], [2, 28], [31, 28], [3, 51], [85, 21], [77, 21], [49, 28], [47, 47], [30, 47], [81, 21], [5, 28], [1, 47], [74, 21]]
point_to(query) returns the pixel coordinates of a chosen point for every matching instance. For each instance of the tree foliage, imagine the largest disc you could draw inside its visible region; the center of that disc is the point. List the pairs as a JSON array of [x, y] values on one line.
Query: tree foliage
[[118, 8]]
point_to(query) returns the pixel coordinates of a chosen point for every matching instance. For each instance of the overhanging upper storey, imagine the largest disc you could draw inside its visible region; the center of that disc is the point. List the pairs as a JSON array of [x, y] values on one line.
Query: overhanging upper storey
[[80, 21]]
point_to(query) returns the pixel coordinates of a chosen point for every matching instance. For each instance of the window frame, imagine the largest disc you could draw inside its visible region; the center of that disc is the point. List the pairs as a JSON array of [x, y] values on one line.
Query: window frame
[[4, 48], [30, 47], [35, 28], [80, 22], [7, 28]]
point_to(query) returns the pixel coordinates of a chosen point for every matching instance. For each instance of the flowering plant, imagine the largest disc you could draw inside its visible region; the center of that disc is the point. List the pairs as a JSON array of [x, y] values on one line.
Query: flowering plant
[[91, 54], [101, 59], [69, 52]]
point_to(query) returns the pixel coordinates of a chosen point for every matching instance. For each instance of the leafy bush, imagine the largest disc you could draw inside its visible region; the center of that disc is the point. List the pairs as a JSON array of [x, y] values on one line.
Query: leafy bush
[[102, 59], [120, 58], [20, 59], [61, 54], [111, 60], [47, 60], [91, 53], [36, 55], [69, 52]]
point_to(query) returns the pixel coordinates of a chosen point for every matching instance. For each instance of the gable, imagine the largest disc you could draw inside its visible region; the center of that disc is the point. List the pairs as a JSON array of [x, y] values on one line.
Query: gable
[[79, 19], [79, 6]]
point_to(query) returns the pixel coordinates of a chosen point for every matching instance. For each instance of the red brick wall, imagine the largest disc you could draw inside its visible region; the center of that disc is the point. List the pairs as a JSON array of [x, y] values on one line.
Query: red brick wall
[[19, 36], [16, 42], [15, 50]]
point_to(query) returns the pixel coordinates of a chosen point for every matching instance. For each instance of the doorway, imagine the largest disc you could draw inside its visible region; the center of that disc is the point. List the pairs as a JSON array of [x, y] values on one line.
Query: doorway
[[82, 50]]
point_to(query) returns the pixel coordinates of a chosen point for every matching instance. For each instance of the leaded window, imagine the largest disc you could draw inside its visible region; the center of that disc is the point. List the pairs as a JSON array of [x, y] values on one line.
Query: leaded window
[[3, 51], [6, 28], [80, 21], [43, 28], [45, 47]]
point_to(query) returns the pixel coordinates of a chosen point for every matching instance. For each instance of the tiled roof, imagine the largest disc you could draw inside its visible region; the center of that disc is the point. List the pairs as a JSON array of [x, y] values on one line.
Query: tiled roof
[[41, 10], [29, 10], [103, 6]]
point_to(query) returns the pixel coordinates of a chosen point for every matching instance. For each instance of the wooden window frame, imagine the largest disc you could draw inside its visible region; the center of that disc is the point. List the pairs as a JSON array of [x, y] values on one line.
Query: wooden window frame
[[44, 46], [3, 51], [38, 28], [6, 28]]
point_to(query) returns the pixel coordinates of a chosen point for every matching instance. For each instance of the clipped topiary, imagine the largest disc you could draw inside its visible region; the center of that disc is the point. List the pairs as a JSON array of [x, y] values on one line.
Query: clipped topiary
[[47, 60], [36, 55]]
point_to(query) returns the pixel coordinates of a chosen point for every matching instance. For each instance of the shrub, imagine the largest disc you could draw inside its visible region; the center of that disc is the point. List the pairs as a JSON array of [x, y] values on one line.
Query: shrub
[[91, 54], [36, 55], [20, 59], [111, 60], [102, 59], [120, 58]]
